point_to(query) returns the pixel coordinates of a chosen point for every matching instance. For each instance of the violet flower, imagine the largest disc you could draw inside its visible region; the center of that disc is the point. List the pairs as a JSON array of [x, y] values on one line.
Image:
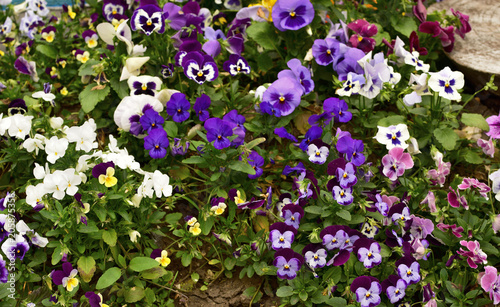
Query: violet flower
[[301, 74], [292, 215], [95, 300], [318, 151], [353, 149], [236, 65], [487, 146], [266, 107], [315, 256], [177, 148], [396, 162], [292, 14], [370, 256], [201, 107], [199, 68], [288, 263], [396, 290], [381, 205], [148, 18], [4, 273], [256, 162], [151, 120], [281, 235], [347, 175], [334, 237], [494, 123], [325, 50], [474, 254], [66, 277], [338, 108], [112, 8], [468, 183], [409, 273], [157, 143], [27, 68], [282, 133], [178, 107], [313, 133], [283, 95], [367, 290], [218, 131]]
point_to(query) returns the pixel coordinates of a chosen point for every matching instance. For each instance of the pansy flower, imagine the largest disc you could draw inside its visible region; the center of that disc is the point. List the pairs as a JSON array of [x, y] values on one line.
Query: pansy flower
[[81, 55], [400, 212], [49, 33], [146, 85], [39, 7], [112, 8], [130, 110], [288, 263], [201, 107], [151, 120], [177, 148], [318, 151], [393, 136], [256, 162], [283, 95], [266, 107], [236, 65], [66, 277], [148, 18], [325, 50], [412, 59], [6, 27], [199, 68], [178, 107], [292, 14], [281, 235], [396, 162], [218, 205], [292, 215], [367, 290], [313, 133], [368, 252], [315, 256], [167, 71], [4, 273], [490, 282], [338, 109], [447, 83], [161, 256], [381, 205], [95, 300], [347, 175], [283, 133], [27, 68], [16, 246], [90, 38], [352, 84], [408, 270], [299, 73], [395, 288], [218, 132], [343, 196], [364, 31], [29, 24], [474, 254], [334, 237], [157, 143], [353, 149]]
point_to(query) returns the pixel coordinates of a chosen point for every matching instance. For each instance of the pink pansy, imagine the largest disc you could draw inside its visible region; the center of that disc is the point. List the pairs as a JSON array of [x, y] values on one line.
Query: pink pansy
[[487, 146], [439, 174], [430, 200], [494, 123], [396, 162], [483, 188], [474, 254], [496, 223], [454, 229], [390, 201], [456, 200], [490, 282], [431, 303]]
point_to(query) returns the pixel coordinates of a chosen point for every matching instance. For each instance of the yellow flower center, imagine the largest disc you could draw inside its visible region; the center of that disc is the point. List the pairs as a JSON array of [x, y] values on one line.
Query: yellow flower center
[[72, 283], [282, 239], [149, 23], [282, 99], [292, 14], [200, 74], [408, 272]]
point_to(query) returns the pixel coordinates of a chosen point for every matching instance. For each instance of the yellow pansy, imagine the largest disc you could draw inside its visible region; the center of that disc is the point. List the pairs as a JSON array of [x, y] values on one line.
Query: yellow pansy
[[195, 230], [163, 259], [109, 179]]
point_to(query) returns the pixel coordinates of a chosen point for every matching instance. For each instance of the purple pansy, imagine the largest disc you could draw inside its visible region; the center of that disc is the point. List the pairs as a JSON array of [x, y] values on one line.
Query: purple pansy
[[400, 212], [288, 263], [300, 74], [283, 95], [157, 143], [266, 107], [148, 18], [4, 273], [334, 237], [95, 300], [201, 107], [343, 196], [395, 288], [281, 235], [151, 120], [313, 133], [177, 148], [3, 231], [27, 68], [409, 272], [282, 133], [167, 71], [178, 107], [292, 215], [325, 50], [101, 168], [369, 254], [353, 149], [113, 8], [347, 175], [218, 131], [200, 68], [292, 14], [338, 108], [315, 256], [236, 65], [62, 277], [396, 162], [381, 206], [490, 282], [256, 162], [367, 290]]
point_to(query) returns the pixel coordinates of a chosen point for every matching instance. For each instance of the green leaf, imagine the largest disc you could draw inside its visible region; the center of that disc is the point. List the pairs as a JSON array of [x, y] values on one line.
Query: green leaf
[[475, 120], [87, 68], [391, 120], [206, 226], [344, 214], [453, 289], [86, 267], [56, 255], [120, 87], [303, 295], [173, 218], [336, 301], [150, 296], [89, 97], [314, 209], [134, 294], [264, 62], [171, 129], [229, 263], [472, 157], [284, 291], [154, 273], [404, 25], [194, 160], [108, 278], [89, 228], [47, 51], [140, 264], [242, 167], [264, 34], [488, 248], [109, 236], [447, 137]]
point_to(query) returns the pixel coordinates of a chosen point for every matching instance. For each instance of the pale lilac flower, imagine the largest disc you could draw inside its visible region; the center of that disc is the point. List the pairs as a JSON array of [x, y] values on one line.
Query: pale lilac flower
[[316, 257], [397, 292], [367, 289], [494, 123], [439, 175], [447, 83], [288, 263], [396, 162], [430, 200], [490, 282], [487, 146], [370, 256], [318, 151], [410, 274]]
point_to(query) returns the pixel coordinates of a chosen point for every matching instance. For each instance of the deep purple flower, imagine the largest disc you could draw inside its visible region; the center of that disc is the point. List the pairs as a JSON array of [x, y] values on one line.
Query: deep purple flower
[[300, 74], [283, 95], [282, 133], [236, 65], [325, 50], [428, 293], [292, 14], [151, 120], [177, 148], [167, 71], [178, 107], [364, 31], [395, 288], [300, 170], [144, 85], [101, 168], [292, 215], [338, 108], [281, 235], [445, 35], [348, 62], [464, 27], [382, 207], [148, 18], [288, 263], [200, 68], [367, 289], [4, 273], [66, 277], [313, 133], [256, 162], [320, 119], [3, 232], [218, 131], [17, 106], [315, 256], [353, 149], [201, 107], [95, 300], [266, 107], [27, 68], [157, 143]]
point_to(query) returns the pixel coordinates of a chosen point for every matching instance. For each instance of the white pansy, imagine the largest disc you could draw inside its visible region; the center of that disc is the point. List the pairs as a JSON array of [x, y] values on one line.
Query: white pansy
[[134, 105], [40, 172], [56, 123], [71, 180], [161, 184], [35, 193], [55, 148], [132, 67], [36, 239], [84, 136], [34, 144], [393, 136], [4, 124], [55, 184], [20, 126], [447, 83], [412, 59]]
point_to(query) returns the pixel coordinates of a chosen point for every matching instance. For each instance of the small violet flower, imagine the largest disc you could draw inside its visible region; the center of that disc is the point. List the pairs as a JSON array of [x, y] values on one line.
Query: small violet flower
[[367, 290], [281, 235], [396, 162], [288, 263], [157, 143], [178, 107], [292, 14]]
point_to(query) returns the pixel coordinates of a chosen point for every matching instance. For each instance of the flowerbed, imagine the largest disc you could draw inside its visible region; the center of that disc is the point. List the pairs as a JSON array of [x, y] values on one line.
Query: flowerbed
[[317, 145]]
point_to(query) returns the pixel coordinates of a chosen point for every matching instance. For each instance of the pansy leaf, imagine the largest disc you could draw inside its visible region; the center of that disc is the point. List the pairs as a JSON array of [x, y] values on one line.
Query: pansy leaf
[[134, 294], [109, 236], [284, 291], [475, 120], [264, 34], [447, 137], [153, 273], [472, 157], [344, 214], [139, 264], [391, 120], [89, 97], [47, 51], [86, 267], [404, 25], [108, 278], [242, 167], [87, 68], [120, 87]]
